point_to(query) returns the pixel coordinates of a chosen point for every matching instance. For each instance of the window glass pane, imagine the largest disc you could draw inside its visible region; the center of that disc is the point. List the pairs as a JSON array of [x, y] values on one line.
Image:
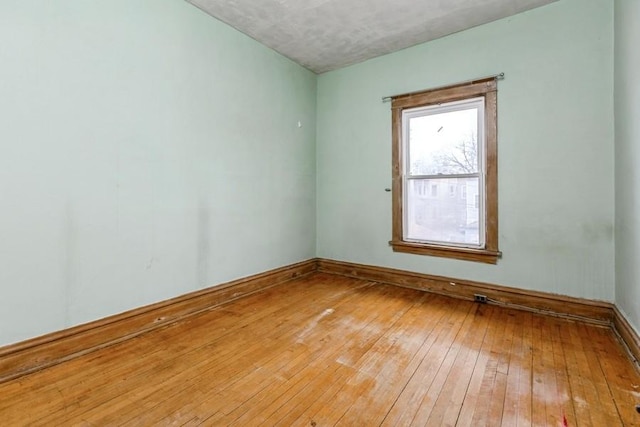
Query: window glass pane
[[434, 216], [444, 143]]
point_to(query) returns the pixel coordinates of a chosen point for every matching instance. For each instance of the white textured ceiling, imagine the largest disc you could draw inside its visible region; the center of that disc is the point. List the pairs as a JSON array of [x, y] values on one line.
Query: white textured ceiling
[[324, 35]]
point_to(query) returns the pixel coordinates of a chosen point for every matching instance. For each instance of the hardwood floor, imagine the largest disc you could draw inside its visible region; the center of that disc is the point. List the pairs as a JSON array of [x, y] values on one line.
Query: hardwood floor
[[328, 350]]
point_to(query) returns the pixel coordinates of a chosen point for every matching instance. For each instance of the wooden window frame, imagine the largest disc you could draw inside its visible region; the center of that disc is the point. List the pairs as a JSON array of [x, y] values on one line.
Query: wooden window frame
[[488, 89]]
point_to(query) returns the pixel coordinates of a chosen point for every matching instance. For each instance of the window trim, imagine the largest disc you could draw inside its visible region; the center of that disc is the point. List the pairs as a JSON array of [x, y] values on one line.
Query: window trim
[[486, 88]]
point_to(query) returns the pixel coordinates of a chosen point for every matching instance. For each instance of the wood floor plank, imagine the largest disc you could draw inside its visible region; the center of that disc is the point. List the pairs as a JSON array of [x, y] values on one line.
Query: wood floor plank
[[606, 401], [238, 363], [540, 382], [525, 398], [549, 396], [404, 341], [403, 329], [502, 354], [559, 407], [101, 364], [282, 341], [438, 354], [361, 382], [519, 356], [256, 409], [407, 391], [620, 380], [447, 406], [567, 409], [579, 397], [476, 397], [330, 350], [132, 378], [601, 416], [325, 388], [430, 411]]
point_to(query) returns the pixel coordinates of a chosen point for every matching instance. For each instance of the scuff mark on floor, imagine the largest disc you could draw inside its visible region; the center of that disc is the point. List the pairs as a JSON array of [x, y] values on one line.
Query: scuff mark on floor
[[314, 322]]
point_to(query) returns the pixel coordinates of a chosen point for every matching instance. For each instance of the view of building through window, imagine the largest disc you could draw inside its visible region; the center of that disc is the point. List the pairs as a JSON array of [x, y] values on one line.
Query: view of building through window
[[442, 156]]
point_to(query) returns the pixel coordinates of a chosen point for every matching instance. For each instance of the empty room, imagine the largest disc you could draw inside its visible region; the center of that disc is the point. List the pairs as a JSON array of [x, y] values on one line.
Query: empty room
[[318, 213]]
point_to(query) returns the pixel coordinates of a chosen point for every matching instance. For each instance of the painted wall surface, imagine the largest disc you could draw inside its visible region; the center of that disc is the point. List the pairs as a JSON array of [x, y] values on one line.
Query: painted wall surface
[[627, 128], [146, 150], [556, 152]]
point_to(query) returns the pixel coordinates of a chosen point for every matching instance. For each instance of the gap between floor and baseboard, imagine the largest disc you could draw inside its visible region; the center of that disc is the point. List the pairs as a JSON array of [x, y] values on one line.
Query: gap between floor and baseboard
[[628, 336], [599, 313], [51, 349], [48, 350]]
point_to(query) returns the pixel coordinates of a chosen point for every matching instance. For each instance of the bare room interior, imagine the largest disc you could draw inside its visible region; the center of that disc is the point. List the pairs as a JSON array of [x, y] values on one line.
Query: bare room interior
[[244, 212]]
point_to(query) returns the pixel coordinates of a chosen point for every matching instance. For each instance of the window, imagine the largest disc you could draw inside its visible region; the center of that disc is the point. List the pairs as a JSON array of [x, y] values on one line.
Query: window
[[446, 138]]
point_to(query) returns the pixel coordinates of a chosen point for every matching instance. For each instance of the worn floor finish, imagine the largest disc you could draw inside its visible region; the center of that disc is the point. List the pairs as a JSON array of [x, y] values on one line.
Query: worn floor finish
[[327, 350]]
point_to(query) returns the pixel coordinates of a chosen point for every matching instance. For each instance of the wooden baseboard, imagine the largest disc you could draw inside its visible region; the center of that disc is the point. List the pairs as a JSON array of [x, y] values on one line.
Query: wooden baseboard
[[627, 334], [51, 349], [598, 312]]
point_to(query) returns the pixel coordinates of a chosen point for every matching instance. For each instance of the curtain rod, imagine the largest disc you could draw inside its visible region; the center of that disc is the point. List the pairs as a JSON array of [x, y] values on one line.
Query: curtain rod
[[390, 97]]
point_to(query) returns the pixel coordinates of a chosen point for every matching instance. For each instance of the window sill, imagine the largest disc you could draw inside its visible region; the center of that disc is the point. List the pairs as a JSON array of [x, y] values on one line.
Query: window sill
[[466, 254]]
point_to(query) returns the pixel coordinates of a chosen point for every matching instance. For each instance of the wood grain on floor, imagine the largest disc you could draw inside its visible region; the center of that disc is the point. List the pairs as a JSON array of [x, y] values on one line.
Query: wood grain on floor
[[327, 350]]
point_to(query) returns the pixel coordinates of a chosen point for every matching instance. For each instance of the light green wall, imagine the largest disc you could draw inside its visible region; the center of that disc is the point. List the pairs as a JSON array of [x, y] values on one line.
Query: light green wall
[[556, 152], [146, 150], [627, 113]]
